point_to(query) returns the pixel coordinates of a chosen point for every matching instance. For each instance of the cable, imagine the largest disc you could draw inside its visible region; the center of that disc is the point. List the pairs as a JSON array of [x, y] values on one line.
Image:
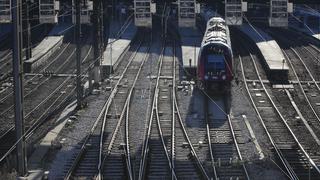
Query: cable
[[313, 10], [303, 24], [244, 16]]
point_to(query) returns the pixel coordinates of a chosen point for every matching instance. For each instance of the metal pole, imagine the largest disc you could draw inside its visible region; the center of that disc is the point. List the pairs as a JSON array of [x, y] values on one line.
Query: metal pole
[[78, 54], [18, 86], [97, 39], [195, 54], [111, 59], [28, 48], [102, 18], [90, 80]]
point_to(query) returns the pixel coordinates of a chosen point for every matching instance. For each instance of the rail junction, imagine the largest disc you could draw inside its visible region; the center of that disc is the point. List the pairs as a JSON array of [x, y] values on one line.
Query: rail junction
[[150, 89]]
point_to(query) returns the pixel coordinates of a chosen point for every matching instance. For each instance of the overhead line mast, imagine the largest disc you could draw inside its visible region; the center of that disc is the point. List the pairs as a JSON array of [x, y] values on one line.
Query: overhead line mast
[[78, 54], [18, 86]]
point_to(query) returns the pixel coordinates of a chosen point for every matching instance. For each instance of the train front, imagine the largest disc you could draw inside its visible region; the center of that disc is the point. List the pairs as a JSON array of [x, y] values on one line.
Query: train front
[[215, 63], [215, 57]]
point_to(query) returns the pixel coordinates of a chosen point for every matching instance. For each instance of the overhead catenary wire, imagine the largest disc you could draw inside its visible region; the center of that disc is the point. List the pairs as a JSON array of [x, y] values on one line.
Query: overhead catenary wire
[[303, 24], [37, 125]]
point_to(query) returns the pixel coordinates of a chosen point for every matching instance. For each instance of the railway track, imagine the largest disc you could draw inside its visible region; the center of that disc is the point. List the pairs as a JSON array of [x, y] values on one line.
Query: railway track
[[108, 136], [159, 163], [38, 83], [293, 150], [303, 52], [305, 98], [224, 153], [6, 55], [54, 93], [106, 151], [115, 150], [168, 151], [305, 64]]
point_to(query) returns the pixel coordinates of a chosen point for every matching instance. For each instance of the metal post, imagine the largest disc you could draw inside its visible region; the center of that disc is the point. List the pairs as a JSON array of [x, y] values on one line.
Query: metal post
[[111, 60], [90, 80], [28, 38], [78, 54], [97, 40], [102, 18], [195, 53], [18, 86]]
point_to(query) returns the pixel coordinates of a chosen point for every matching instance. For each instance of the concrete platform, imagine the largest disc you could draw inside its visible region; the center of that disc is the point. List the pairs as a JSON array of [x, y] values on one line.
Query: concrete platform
[[190, 46], [47, 46], [274, 60], [117, 46], [36, 161]]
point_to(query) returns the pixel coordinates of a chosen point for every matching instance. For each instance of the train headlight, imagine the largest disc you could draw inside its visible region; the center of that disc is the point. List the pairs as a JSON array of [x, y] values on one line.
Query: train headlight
[[224, 77]]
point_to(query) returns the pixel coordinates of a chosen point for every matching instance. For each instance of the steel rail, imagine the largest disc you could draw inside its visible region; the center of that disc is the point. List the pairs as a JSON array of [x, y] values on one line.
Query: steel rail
[[152, 115], [109, 101], [9, 51], [301, 87], [176, 112], [283, 119], [101, 115], [173, 173], [237, 146], [41, 118], [173, 112], [127, 141], [299, 81], [291, 41], [4, 58], [306, 67], [83, 146], [156, 109], [233, 138], [7, 96], [34, 89], [291, 174], [124, 112], [46, 99], [36, 124], [58, 88], [315, 48], [200, 166], [123, 28], [43, 69], [312, 53], [39, 121], [46, 80], [209, 138]]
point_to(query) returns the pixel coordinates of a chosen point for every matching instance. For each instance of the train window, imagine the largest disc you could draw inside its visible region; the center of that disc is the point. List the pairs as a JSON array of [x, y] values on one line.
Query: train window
[[216, 62]]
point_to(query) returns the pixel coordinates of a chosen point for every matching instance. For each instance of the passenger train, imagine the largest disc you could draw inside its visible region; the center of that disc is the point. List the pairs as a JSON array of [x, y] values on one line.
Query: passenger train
[[215, 61]]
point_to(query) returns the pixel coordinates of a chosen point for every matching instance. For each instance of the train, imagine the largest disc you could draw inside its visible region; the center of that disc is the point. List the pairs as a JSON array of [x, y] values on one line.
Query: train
[[215, 60]]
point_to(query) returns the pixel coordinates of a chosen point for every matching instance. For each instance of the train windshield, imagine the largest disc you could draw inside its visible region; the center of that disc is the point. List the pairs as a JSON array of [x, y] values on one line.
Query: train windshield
[[216, 62]]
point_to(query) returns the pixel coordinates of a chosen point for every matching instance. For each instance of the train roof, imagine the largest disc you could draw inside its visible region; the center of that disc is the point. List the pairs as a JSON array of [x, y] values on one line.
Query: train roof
[[217, 31]]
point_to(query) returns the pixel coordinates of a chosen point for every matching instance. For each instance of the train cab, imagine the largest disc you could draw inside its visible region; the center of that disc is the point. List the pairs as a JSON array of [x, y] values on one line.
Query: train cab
[[215, 58]]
